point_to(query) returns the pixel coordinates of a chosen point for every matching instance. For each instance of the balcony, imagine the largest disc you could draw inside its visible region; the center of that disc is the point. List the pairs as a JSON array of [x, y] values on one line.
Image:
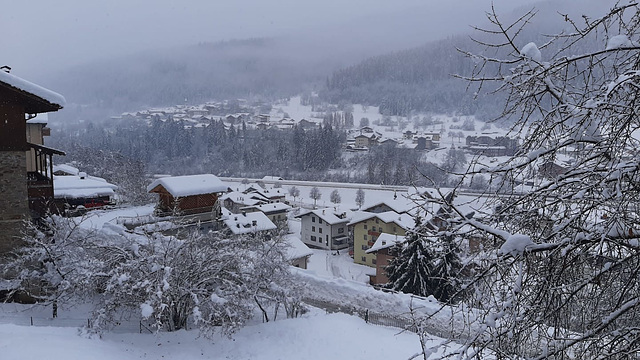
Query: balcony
[[40, 180], [339, 242]]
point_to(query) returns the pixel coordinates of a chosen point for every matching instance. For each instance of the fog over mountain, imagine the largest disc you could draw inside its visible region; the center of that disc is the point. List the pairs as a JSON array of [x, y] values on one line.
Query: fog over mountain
[[119, 56]]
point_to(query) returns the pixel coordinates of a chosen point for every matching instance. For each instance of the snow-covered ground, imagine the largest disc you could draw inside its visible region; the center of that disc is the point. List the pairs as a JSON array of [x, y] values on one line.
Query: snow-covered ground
[[314, 336]]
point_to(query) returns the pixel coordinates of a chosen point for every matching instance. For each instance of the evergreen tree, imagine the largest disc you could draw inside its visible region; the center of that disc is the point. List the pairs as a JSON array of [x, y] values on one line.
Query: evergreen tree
[[426, 265], [446, 267], [410, 271]]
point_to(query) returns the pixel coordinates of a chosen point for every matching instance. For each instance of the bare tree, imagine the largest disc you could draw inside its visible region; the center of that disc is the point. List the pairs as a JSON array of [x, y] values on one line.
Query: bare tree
[[360, 198], [559, 276], [335, 197], [315, 194], [294, 192]]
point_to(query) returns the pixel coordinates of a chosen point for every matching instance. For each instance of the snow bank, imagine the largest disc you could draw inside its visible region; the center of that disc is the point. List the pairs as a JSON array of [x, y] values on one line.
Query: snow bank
[[315, 336]]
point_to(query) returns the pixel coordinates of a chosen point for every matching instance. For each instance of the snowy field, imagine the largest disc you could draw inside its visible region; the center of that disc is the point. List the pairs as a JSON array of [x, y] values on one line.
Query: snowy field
[[314, 336]]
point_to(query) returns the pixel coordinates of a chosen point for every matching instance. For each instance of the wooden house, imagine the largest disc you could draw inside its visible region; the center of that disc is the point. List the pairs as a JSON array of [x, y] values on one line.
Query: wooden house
[[188, 195], [19, 101]]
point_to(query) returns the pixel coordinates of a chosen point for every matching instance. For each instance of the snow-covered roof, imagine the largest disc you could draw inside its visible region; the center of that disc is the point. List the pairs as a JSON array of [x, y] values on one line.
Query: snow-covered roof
[[273, 207], [400, 205], [47, 95], [74, 186], [241, 198], [297, 249], [42, 118], [189, 185], [272, 178], [66, 168], [385, 241], [405, 221], [247, 223], [325, 214]]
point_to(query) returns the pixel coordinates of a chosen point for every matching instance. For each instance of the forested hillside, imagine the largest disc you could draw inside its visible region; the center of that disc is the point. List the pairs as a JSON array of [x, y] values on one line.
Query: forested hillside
[[422, 79], [257, 68], [416, 79]]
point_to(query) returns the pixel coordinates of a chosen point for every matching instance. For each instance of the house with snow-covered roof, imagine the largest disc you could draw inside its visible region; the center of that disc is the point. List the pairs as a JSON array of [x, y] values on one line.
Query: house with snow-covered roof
[[399, 204], [324, 229], [236, 200], [247, 223], [366, 140], [298, 253], [75, 190], [187, 195], [383, 249], [276, 212], [26, 192], [366, 227]]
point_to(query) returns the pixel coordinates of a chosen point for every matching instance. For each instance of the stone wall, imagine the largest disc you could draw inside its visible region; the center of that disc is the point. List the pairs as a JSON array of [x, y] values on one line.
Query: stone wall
[[14, 206]]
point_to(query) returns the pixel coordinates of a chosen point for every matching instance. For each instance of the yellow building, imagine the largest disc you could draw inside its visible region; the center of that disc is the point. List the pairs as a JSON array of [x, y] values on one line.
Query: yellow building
[[366, 227]]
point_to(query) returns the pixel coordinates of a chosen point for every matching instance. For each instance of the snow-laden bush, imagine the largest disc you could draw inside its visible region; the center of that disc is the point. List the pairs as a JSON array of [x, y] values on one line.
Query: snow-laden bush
[[217, 282]]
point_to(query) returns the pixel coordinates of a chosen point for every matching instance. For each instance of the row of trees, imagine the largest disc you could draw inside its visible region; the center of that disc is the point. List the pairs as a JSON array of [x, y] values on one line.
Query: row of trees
[[172, 147]]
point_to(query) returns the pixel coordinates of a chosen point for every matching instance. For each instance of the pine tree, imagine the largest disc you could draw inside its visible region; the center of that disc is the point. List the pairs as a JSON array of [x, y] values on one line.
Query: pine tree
[[410, 271], [426, 265], [445, 273]]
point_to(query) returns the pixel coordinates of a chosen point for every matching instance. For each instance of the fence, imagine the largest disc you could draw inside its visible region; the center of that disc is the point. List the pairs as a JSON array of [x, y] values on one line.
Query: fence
[[379, 319], [122, 326]]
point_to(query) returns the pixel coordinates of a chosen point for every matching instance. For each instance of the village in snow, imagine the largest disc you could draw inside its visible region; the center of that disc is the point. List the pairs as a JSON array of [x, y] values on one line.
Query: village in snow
[[300, 208]]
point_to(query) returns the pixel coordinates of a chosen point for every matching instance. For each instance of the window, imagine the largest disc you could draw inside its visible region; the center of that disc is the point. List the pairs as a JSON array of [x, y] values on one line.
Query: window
[[364, 259], [373, 228], [320, 220], [377, 221], [365, 226], [313, 229], [365, 247], [394, 229], [340, 230], [365, 238], [313, 219], [313, 238], [320, 230], [373, 261]]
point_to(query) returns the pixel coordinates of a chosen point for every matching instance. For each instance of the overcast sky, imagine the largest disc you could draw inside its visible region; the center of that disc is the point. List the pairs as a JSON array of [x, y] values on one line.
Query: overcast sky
[[48, 34]]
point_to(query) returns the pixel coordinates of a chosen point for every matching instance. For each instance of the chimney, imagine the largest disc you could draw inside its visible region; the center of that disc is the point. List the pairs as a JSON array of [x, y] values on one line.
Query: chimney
[[82, 175]]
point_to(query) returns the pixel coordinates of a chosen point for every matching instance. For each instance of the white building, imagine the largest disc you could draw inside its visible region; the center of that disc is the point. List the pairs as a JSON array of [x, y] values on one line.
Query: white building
[[324, 229]]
